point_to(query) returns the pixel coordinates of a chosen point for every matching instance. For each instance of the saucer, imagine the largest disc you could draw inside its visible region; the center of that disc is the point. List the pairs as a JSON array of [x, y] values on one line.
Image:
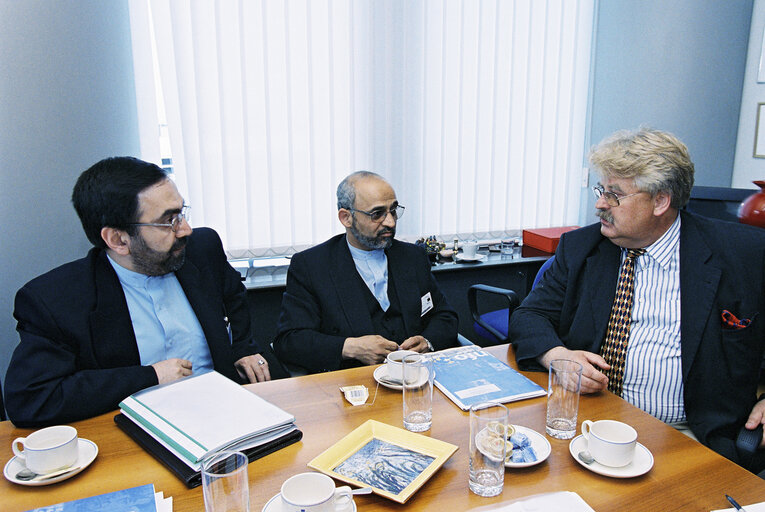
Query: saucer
[[478, 257], [539, 443], [381, 376], [640, 465], [87, 451], [275, 504]]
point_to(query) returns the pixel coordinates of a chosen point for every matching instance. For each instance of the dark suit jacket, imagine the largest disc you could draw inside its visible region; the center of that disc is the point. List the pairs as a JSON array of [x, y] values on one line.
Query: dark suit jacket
[[78, 355], [324, 304], [721, 267]]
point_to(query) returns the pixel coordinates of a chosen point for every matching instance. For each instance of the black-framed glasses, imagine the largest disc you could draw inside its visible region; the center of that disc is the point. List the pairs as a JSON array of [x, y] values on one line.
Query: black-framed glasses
[[174, 223], [380, 214], [612, 198]]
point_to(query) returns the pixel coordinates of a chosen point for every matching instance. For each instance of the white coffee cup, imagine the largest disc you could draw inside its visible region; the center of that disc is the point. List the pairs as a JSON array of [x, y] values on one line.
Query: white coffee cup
[[48, 449], [611, 443], [314, 492], [394, 365], [470, 249]]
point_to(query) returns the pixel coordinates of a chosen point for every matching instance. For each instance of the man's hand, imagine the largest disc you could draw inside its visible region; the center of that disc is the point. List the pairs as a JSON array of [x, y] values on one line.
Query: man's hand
[[416, 343], [756, 417], [592, 379], [254, 368], [172, 369], [369, 349]]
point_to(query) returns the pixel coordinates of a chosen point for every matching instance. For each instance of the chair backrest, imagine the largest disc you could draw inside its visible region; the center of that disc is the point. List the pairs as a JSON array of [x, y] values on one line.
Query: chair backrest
[[542, 269]]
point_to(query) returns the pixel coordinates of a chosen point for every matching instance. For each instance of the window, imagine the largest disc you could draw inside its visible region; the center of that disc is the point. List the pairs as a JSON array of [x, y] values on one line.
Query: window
[[473, 110]]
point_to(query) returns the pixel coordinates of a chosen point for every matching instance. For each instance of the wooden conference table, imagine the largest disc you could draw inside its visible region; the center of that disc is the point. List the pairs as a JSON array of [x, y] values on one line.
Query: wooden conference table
[[685, 476]]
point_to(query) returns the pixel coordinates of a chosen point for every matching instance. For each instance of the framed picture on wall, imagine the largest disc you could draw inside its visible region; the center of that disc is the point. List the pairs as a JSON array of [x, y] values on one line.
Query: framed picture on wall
[[759, 132]]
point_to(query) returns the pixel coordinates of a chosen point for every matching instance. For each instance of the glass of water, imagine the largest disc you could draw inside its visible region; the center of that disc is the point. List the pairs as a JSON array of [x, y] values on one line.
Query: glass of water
[[564, 382], [417, 386], [488, 427]]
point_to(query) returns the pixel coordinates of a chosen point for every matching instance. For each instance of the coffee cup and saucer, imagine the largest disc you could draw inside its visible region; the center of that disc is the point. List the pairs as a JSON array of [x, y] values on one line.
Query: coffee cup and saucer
[[312, 492], [48, 456], [390, 374], [610, 448]]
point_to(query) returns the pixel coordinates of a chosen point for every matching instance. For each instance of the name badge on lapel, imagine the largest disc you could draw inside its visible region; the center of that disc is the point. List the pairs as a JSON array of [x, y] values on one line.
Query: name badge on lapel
[[427, 304]]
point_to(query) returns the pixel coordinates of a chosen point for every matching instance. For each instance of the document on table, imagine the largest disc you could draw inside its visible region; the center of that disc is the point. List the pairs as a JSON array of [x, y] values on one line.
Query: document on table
[[566, 500], [754, 507]]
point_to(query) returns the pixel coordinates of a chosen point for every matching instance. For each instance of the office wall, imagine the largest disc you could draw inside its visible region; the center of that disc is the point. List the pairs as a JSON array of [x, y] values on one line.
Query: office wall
[[67, 99], [677, 66], [747, 168]]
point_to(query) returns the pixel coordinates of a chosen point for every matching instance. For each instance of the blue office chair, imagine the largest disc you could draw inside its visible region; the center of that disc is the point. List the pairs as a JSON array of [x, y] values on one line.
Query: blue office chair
[[492, 326]]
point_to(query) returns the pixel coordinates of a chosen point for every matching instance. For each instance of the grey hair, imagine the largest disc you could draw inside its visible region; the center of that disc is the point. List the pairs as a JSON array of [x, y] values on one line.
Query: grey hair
[[346, 190], [656, 160]]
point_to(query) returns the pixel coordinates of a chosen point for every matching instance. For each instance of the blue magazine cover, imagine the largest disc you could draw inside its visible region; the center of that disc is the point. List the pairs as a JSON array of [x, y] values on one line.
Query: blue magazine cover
[[137, 499], [469, 375]]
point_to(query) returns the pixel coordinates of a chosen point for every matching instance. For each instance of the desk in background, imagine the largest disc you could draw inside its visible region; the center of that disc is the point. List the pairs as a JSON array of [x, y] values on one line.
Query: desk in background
[[265, 287], [686, 475]]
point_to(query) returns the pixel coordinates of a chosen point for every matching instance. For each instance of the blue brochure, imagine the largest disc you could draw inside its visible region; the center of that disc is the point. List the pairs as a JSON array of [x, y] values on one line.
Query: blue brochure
[[137, 499], [469, 375]]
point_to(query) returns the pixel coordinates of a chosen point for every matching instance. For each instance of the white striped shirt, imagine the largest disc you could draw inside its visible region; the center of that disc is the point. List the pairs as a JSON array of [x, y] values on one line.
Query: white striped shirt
[[653, 374]]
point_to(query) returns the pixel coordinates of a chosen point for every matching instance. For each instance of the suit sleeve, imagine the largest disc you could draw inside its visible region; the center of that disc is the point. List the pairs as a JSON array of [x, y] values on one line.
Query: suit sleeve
[[299, 339], [45, 384], [440, 324], [534, 325]]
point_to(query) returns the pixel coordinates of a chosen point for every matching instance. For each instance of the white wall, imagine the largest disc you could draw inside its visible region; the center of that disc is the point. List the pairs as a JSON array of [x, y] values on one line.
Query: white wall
[[747, 168], [67, 99]]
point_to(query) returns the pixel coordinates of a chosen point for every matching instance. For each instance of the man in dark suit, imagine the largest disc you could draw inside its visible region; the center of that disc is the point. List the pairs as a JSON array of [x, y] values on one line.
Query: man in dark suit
[[152, 302], [695, 334], [359, 296]]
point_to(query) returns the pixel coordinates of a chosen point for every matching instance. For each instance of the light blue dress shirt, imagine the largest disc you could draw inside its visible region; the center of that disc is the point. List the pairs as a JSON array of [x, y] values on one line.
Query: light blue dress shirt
[[164, 323], [373, 269]]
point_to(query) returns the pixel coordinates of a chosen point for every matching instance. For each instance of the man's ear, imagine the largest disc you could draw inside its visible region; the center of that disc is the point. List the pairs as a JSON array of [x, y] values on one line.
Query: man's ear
[[661, 203], [117, 240], [345, 216]]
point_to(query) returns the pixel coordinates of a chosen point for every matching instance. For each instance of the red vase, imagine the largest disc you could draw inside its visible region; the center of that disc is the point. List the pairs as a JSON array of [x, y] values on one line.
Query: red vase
[[752, 210]]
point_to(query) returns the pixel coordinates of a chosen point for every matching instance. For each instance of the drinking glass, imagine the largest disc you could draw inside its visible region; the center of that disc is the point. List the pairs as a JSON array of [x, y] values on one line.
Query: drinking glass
[[564, 382], [417, 386], [225, 484], [488, 425]]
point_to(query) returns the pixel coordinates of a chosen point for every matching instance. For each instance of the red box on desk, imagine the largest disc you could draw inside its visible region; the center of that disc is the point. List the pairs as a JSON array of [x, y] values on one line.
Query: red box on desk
[[545, 239]]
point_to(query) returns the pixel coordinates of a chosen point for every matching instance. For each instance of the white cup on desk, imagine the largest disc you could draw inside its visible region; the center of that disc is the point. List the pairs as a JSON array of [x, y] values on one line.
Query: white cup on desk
[[470, 249], [314, 492], [48, 449], [611, 443], [394, 365]]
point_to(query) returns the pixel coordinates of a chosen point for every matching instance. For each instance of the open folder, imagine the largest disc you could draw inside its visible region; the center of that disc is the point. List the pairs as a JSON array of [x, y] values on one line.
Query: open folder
[[186, 421]]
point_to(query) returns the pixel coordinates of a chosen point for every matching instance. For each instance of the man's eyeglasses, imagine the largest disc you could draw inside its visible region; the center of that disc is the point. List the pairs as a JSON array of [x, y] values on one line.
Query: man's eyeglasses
[[380, 214], [175, 221], [612, 198]]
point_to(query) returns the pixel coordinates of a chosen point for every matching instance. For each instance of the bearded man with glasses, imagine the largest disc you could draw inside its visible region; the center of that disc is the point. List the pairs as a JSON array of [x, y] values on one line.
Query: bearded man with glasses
[[357, 297], [660, 306], [152, 302]]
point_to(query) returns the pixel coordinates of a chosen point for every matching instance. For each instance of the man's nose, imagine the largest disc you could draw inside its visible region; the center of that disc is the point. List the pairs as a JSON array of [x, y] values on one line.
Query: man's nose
[[390, 220], [602, 204], [184, 229]]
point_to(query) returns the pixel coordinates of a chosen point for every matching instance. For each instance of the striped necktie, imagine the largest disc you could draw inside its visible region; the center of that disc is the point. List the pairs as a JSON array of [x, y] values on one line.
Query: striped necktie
[[614, 349]]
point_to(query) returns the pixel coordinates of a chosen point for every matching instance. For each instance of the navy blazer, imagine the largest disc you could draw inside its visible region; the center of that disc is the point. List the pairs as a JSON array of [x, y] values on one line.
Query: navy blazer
[[721, 267], [324, 304], [78, 355]]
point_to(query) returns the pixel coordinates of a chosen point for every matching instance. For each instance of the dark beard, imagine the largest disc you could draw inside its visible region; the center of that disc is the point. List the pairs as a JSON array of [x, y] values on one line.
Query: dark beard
[[605, 215], [373, 242], [149, 262]]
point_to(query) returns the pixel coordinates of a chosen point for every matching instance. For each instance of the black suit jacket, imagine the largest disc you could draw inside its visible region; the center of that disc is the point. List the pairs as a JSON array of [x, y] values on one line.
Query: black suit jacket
[[721, 267], [324, 304], [78, 355]]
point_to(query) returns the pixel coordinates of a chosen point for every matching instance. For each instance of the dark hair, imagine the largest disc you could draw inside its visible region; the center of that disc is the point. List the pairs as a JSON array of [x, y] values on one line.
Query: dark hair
[[106, 195]]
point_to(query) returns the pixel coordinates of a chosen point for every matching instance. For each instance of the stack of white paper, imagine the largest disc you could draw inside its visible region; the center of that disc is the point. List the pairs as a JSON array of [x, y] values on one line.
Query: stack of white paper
[[200, 415]]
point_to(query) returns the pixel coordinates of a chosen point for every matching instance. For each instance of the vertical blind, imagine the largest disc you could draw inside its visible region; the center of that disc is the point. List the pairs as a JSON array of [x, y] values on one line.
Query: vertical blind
[[475, 111]]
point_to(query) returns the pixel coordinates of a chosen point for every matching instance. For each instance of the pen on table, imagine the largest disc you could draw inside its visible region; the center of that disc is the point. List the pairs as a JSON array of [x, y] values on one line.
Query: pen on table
[[734, 503]]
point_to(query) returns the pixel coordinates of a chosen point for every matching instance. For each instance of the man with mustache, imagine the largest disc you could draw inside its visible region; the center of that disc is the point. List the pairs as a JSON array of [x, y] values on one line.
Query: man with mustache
[[152, 302], [688, 345], [357, 297]]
